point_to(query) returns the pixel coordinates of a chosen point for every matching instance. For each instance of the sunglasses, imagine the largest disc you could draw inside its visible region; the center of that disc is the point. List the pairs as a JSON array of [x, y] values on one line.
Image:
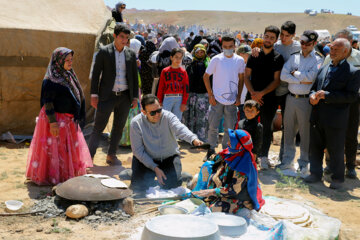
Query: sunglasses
[[153, 113], [306, 44], [122, 7]]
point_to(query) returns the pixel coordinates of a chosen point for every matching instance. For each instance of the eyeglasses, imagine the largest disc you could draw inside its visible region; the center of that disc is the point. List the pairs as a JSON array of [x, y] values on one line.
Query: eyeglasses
[[122, 7], [306, 44], [153, 113]]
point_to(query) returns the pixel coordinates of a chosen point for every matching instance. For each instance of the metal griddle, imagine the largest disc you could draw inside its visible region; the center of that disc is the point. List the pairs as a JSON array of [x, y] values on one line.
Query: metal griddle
[[89, 189]]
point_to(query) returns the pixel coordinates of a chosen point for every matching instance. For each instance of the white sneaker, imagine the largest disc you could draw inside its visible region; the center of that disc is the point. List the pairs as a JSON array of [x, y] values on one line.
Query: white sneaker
[[264, 163]]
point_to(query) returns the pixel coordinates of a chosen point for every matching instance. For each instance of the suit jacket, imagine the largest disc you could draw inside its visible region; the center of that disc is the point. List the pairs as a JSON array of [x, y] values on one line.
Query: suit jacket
[[105, 67], [341, 90]]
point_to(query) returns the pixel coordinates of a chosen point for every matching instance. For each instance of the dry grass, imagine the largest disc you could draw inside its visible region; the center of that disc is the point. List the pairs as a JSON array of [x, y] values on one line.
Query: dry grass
[[249, 22]]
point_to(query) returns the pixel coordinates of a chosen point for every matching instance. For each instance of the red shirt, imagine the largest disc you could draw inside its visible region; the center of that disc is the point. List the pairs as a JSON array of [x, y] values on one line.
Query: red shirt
[[173, 81]]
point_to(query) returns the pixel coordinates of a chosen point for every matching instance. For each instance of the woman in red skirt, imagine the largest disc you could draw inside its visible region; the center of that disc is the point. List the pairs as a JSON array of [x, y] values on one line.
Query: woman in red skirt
[[58, 150]]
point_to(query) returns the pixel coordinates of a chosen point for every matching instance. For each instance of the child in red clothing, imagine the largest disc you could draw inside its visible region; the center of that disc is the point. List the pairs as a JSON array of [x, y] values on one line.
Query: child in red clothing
[[173, 89]]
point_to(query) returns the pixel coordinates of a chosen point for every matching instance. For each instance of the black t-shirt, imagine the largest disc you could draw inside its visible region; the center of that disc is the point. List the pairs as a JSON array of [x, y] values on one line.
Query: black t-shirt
[[263, 68]]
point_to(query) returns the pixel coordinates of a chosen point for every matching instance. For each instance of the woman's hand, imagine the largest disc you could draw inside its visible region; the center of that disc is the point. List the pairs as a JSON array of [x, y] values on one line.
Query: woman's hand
[[183, 107], [54, 129], [205, 193]]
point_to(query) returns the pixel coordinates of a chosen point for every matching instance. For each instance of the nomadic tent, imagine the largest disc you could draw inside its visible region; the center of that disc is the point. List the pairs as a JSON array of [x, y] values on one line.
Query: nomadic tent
[[30, 31]]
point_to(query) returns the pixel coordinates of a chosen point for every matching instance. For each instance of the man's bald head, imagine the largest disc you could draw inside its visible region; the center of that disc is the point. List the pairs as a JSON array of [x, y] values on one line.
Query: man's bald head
[[339, 49]]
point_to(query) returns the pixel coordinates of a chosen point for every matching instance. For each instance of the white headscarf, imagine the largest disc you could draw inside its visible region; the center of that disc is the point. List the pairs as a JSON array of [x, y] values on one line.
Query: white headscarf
[[135, 45], [168, 45]]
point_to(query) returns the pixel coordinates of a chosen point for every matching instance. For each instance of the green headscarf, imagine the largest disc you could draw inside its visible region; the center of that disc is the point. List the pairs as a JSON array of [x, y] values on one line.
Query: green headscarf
[[205, 59]]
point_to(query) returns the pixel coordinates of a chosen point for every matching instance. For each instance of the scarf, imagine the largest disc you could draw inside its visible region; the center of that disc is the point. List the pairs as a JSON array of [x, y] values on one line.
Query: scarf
[[168, 45], [57, 74], [118, 5], [205, 58], [239, 157], [135, 45]]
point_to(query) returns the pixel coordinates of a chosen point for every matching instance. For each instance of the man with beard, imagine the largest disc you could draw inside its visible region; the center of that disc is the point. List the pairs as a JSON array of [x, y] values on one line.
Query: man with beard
[[262, 77], [285, 46]]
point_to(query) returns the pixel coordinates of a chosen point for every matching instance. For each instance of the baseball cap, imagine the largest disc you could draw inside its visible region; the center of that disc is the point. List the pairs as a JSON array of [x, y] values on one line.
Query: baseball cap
[[309, 36]]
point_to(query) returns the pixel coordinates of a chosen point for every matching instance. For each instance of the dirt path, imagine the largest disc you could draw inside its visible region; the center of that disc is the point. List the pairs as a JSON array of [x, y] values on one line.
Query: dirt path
[[343, 204]]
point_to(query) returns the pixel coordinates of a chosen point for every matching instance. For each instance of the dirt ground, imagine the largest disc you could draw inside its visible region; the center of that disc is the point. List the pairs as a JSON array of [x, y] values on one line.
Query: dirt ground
[[342, 204]]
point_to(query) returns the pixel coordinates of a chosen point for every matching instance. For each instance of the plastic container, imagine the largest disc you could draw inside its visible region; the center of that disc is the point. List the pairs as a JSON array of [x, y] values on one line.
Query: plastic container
[[170, 209], [180, 227], [229, 225], [13, 205]]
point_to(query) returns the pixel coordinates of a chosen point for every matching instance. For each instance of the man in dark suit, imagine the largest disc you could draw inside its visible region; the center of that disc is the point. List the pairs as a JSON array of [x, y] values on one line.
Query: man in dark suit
[[335, 88], [114, 87]]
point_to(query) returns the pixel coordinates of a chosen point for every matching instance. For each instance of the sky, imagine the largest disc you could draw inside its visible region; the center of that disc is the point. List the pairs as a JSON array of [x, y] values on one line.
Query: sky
[[341, 7]]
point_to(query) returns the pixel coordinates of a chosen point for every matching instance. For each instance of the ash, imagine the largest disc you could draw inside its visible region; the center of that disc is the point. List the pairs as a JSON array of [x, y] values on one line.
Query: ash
[[107, 212]]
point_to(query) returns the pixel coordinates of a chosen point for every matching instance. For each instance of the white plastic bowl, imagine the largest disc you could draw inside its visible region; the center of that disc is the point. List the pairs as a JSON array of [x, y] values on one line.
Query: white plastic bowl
[[229, 225], [13, 205], [180, 227]]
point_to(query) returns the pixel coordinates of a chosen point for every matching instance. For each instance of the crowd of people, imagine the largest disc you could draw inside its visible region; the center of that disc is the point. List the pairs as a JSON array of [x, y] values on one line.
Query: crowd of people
[[190, 87]]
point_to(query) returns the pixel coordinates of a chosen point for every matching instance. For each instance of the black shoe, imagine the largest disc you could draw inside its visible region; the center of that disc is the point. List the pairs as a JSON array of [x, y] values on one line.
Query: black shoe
[[312, 179], [186, 177], [209, 153], [125, 174], [336, 184], [327, 170], [350, 173]]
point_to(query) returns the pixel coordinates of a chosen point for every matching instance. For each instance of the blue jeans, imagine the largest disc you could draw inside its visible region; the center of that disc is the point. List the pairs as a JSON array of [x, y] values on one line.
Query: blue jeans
[[172, 104], [216, 113]]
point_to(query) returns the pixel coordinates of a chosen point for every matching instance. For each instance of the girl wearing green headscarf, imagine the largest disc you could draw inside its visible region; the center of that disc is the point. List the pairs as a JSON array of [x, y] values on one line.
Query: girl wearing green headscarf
[[196, 115]]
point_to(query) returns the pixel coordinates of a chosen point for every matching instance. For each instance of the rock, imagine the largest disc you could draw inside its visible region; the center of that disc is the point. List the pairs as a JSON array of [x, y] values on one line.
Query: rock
[[97, 212], [91, 218], [77, 211], [48, 232], [40, 229], [128, 206], [19, 230]]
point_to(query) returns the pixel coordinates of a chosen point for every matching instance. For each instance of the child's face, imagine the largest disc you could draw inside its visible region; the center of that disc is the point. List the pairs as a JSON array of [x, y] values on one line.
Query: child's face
[[176, 59], [251, 112]]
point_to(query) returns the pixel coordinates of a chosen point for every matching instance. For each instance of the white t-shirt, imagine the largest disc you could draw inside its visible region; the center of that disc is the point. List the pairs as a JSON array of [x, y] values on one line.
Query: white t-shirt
[[225, 73]]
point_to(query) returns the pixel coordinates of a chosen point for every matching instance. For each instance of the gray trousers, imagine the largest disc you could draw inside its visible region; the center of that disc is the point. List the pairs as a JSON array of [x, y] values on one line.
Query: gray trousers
[[121, 106], [297, 118], [216, 113]]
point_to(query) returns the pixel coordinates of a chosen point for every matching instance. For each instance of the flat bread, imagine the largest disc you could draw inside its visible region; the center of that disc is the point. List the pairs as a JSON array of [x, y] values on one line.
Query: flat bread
[[113, 183], [284, 210]]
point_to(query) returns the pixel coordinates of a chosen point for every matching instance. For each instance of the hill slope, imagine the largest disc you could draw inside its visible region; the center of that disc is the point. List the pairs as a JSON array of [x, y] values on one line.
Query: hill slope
[[247, 21]]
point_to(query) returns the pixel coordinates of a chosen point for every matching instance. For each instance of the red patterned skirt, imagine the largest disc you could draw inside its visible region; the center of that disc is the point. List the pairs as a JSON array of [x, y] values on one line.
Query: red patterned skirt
[[52, 160]]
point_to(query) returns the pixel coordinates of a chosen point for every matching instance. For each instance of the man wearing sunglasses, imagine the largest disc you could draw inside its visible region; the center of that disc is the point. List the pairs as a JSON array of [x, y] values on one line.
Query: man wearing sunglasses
[[299, 72], [153, 135]]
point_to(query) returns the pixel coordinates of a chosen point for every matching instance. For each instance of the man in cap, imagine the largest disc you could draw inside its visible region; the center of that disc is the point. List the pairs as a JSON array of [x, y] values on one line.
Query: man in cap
[[299, 72], [335, 88]]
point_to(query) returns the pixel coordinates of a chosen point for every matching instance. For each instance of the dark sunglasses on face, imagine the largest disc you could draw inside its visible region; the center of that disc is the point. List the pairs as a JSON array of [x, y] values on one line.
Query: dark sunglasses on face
[[306, 44], [122, 7], [153, 113]]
